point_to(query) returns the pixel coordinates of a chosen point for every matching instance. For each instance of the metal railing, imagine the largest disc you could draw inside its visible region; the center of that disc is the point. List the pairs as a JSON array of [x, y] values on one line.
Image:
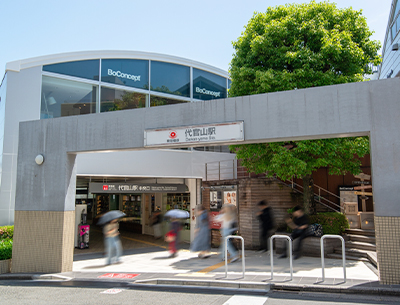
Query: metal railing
[[323, 256], [272, 255], [221, 170], [226, 254], [230, 169]]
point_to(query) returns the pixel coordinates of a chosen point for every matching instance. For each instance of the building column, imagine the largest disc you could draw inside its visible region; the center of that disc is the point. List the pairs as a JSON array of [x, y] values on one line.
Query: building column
[[43, 241], [387, 231]]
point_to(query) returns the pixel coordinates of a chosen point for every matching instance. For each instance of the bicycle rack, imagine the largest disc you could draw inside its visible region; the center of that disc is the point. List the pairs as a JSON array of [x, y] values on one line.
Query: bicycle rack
[[323, 256], [290, 254], [226, 254]]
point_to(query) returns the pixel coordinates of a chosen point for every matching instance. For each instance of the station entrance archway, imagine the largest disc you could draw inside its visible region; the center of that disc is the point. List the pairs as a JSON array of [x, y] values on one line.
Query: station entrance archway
[[44, 209]]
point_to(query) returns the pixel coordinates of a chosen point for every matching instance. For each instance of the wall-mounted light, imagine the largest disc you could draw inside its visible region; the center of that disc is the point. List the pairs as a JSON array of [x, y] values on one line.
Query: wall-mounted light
[[39, 159], [395, 47]]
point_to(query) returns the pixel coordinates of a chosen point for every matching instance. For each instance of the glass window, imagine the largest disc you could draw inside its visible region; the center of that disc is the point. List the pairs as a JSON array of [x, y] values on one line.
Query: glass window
[[393, 29], [396, 11], [161, 101], [85, 68], [113, 100], [208, 86], [398, 23], [64, 98], [126, 72], [170, 78]]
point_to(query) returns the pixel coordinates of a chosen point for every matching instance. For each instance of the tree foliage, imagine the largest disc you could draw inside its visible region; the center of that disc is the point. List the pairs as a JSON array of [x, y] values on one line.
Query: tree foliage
[[300, 46], [297, 46]]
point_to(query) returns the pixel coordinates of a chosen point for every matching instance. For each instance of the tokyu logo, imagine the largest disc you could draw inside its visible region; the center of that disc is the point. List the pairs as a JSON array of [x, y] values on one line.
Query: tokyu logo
[[208, 92], [135, 78]]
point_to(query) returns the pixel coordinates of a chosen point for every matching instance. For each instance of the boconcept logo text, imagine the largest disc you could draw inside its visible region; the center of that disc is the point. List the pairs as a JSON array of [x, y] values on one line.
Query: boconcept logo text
[[208, 92], [135, 78]]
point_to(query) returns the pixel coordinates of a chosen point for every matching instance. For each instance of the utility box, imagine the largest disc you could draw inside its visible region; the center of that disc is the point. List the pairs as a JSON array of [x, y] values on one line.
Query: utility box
[[367, 220], [351, 208], [354, 221]]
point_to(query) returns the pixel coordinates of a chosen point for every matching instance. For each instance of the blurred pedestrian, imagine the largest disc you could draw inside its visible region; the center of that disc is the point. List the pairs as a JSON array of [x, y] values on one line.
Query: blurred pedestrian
[[172, 237], [265, 216], [112, 242], [299, 225], [229, 225], [156, 222], [201, 240]]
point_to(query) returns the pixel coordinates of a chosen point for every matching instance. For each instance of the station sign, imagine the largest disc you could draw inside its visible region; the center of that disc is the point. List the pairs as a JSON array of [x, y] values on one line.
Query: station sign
[[200, 134], [124, 188]]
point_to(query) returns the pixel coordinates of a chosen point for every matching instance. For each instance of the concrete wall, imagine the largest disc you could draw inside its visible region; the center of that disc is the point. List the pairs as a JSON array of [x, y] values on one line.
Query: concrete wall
[[21, 104], [369, 108]]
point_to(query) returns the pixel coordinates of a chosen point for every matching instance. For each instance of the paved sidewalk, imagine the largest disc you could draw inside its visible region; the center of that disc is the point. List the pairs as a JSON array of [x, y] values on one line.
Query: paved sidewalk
[[146, 264]]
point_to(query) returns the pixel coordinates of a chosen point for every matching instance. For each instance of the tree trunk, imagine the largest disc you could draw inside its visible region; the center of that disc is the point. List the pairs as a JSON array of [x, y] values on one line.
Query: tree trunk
[[309, 203]]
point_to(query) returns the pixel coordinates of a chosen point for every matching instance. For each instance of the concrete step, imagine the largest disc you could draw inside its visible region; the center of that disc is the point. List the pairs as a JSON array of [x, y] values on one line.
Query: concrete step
[[360, 245], [373, 258], [353, 252], [348, 257], [360, 232], [360, 238]]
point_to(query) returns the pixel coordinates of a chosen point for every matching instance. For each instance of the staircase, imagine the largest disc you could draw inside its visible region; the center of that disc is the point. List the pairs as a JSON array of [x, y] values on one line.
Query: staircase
[[360, 245]]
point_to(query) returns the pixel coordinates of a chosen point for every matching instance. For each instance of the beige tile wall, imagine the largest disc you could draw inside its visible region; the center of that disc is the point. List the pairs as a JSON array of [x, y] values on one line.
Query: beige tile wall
[[387, 231], [43, 241]]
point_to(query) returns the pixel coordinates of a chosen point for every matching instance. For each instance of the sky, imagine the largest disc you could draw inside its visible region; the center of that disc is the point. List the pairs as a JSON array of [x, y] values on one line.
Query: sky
[[198, 30]]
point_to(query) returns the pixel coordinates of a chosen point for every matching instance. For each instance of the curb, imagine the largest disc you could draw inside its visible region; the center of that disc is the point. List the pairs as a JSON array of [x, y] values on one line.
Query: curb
[[244, 286]]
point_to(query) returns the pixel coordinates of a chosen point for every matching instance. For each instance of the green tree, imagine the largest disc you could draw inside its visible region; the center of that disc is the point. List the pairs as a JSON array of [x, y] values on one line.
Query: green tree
[[297, 46]]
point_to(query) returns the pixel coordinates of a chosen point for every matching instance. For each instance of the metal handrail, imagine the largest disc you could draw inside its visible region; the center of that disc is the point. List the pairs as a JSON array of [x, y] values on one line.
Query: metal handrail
[[291, 184], [226, 254], [319, 194], [290, 254], [323, 256]]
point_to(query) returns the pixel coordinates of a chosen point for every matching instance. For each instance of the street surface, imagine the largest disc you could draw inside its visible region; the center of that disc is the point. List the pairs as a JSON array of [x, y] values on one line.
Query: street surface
[[34, 293]]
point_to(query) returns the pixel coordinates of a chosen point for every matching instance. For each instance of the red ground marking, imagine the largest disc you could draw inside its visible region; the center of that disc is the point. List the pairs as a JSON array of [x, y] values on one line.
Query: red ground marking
[[118, 275]]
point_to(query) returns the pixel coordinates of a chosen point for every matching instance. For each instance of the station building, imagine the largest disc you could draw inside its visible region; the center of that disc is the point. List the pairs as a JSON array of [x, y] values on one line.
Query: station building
[[87, 83], [390, 66]]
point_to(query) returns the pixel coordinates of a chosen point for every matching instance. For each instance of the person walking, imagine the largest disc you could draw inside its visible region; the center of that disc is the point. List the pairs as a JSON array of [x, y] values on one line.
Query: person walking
[[229, 224], [156, 221], [112, 242], [299, 224], [172, 237], [265, 216], [201, 240]]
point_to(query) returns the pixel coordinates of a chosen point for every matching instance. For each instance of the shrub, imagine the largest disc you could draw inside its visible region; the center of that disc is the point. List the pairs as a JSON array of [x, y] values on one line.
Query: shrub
[[6, 232], [332, 222], [5, 249]]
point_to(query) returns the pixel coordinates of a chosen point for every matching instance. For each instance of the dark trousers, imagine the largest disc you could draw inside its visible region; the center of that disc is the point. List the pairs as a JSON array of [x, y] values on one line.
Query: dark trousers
[[264, 239], [297, 237]]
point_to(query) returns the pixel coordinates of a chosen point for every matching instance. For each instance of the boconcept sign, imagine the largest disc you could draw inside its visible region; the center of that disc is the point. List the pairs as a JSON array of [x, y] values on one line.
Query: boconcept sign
[[207, 92], [135, 78]]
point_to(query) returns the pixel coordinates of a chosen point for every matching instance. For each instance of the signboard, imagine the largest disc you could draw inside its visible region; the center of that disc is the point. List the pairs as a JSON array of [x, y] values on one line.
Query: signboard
[[230, 197], [363, 187], [361, 182], [363, 193], [363, 176], [113, 188], [214, 224], [215, 200], [212, 133]]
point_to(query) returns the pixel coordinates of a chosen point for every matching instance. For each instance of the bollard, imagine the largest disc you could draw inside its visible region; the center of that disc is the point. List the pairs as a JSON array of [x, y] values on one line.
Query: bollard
[[290, 254], [323, 256], [226, 254]]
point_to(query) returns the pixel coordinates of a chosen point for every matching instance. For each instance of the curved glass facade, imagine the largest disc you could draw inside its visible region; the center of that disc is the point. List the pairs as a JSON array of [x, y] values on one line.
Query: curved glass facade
[[102, 85], [390, 66]]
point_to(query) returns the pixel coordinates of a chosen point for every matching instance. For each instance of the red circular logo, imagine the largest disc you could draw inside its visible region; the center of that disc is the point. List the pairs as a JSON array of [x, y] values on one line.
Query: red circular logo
[[172, 135]]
